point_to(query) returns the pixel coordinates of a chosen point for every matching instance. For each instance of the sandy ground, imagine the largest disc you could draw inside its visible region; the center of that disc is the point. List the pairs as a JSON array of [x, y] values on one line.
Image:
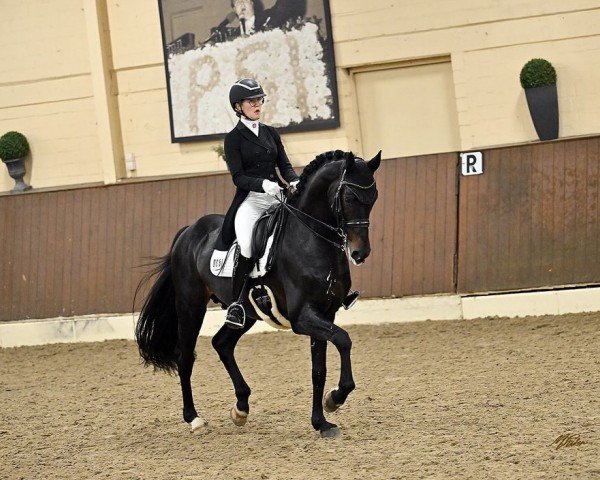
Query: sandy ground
[[466, 399]]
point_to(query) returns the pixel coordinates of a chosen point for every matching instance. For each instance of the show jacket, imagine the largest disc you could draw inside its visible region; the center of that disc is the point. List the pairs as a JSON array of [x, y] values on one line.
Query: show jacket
[[251, 160]]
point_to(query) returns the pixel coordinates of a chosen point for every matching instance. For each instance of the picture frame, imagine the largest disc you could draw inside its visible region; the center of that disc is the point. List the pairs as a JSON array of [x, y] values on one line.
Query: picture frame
[[286, 45]]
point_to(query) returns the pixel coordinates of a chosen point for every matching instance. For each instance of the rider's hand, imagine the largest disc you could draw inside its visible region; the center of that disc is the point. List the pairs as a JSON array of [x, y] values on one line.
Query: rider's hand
[[294, 186], [272, 188]]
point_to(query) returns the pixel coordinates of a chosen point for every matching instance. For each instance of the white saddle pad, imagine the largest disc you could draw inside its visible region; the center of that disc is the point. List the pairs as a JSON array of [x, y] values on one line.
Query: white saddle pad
[[221, 261]]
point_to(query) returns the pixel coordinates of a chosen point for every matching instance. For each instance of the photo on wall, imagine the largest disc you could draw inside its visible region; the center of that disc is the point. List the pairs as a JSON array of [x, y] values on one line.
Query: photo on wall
[[286, 45]]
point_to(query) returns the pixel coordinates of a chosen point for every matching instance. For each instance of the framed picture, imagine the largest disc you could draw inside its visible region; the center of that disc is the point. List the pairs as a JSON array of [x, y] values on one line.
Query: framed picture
[[285, 45]]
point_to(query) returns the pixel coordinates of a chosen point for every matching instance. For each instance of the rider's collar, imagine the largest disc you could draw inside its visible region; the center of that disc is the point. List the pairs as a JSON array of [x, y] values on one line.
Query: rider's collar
[[252, 125]]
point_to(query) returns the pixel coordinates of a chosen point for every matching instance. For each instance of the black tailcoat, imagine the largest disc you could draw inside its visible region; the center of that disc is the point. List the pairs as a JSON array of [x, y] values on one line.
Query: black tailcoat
[[251, 160]]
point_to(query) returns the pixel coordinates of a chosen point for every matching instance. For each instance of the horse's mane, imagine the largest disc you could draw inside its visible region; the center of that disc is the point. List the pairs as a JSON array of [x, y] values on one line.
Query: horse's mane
[[317, 163]]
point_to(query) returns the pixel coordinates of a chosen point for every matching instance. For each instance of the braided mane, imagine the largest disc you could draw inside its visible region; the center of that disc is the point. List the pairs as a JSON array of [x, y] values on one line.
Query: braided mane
[[318, 162]]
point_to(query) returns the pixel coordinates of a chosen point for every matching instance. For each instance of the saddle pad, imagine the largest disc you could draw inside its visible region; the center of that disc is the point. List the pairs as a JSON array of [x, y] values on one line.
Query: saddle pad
[[221, 261]]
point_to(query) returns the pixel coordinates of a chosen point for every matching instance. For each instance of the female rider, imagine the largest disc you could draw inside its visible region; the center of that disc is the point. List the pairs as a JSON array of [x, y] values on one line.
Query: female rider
[[252, 151]]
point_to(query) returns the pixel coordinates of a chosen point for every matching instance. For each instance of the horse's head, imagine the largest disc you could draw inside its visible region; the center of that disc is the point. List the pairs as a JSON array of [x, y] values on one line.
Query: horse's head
[[338, 190], [352, 198]]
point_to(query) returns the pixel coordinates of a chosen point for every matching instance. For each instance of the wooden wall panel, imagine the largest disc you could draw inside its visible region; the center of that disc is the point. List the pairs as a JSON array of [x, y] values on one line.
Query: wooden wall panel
[[81, 251], [531, 220], [7, 232], [413, 229]]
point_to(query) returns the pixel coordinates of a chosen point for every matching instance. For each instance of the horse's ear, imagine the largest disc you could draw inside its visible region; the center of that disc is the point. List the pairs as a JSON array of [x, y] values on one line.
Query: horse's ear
[[374, 163], [349, 160]]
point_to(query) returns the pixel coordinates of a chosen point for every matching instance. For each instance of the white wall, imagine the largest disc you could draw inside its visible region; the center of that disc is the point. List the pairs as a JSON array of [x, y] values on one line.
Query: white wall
[[46, 91], [52, 89]]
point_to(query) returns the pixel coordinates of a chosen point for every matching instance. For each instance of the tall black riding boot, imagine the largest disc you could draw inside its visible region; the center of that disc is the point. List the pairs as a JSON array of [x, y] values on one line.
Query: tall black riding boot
[[235, 313]]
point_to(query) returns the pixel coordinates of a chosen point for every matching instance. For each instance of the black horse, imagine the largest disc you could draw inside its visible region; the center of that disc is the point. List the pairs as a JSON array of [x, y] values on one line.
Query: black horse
[[327, 220]]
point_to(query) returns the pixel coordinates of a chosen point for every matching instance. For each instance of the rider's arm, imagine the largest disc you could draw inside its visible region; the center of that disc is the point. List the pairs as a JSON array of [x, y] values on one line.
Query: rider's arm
[[233, 157], [283, 162]]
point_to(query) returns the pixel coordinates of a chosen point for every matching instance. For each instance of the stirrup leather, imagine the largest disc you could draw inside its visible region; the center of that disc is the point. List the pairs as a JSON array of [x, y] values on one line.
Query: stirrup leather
[[236, 316]]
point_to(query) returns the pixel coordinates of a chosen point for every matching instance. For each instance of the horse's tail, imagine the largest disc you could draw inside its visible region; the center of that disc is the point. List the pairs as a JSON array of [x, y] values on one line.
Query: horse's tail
[[156, 329]]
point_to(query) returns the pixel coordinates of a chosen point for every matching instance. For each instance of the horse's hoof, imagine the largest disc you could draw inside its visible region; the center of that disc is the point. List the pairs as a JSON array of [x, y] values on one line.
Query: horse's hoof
[[238, 417], [328, 404], [198, 424], [333, 432]]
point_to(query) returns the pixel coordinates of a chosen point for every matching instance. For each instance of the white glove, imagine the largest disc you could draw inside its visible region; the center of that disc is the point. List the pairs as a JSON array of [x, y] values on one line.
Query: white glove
[[272, 188], [294, 184]]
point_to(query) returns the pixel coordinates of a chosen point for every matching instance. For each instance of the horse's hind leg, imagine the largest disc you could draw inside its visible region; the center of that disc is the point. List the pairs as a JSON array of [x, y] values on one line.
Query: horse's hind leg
[[224, 343], [190, 312]]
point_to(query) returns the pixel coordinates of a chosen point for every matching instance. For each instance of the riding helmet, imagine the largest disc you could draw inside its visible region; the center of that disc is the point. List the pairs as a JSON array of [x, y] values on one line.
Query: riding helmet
[[245, 88]]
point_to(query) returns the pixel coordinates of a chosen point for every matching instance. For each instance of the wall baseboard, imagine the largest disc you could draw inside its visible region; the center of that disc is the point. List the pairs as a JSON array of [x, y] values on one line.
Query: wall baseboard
[[97, 328]]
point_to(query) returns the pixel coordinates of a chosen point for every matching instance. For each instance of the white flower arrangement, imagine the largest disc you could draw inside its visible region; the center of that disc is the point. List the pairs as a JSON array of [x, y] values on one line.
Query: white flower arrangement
[[289, 64]]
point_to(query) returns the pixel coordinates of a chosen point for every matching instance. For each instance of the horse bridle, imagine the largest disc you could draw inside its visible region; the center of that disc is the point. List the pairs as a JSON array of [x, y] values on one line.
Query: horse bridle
[[336, 207], [337, 204]]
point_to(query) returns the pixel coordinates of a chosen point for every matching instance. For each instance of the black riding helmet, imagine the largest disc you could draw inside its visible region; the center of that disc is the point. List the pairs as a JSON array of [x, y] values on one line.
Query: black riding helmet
[[243, 89]]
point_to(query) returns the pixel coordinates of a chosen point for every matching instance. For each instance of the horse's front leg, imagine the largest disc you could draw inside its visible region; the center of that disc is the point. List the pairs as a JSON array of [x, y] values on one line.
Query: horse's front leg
[[224, 343], [310, 322], [318, 350]]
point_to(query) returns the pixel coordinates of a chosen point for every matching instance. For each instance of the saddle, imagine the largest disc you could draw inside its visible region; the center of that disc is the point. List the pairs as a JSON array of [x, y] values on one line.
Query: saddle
[[271, 223], [265, 237]]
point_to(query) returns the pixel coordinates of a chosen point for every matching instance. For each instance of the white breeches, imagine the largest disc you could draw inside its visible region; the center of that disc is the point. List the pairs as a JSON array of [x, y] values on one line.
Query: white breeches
[[249, 212]]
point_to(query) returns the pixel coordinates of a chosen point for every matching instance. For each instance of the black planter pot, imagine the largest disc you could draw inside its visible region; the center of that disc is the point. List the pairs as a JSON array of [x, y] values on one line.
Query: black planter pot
[[16, 169], [543, 107]]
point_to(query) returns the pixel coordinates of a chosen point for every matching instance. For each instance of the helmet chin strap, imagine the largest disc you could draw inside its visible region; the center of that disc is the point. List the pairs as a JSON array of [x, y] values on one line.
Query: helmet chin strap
[[242, 114]]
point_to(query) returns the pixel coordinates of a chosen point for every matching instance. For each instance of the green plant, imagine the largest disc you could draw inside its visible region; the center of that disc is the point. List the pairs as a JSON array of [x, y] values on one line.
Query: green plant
[[220, 151], [13, 145], [537, 73]]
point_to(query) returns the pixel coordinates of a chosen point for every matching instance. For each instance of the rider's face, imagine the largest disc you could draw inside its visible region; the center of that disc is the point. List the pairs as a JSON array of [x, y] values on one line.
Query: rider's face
[[252, 107]]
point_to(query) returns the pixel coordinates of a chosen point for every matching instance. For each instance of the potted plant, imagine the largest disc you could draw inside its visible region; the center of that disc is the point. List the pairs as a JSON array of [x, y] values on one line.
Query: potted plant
[[538, 78], [13, 150]]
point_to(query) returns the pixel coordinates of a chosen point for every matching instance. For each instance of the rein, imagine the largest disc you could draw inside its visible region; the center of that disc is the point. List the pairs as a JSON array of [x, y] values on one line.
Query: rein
[[338, 231], [342, 223]]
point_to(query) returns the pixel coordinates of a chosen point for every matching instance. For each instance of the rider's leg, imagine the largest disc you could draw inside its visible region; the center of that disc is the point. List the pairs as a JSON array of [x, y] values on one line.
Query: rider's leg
[[235, 313], [248, 213]]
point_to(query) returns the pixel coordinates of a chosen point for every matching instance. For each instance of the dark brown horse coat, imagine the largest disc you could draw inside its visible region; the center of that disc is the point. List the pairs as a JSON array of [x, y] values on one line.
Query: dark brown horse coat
[[251, 160]]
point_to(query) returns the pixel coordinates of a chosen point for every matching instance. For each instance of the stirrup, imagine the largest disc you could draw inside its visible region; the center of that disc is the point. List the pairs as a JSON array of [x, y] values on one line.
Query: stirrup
[[350, 299], [236, 316]]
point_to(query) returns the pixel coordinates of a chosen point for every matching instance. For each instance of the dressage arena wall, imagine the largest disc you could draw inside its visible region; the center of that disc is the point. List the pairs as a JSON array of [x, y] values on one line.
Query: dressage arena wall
[[529, 222]]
